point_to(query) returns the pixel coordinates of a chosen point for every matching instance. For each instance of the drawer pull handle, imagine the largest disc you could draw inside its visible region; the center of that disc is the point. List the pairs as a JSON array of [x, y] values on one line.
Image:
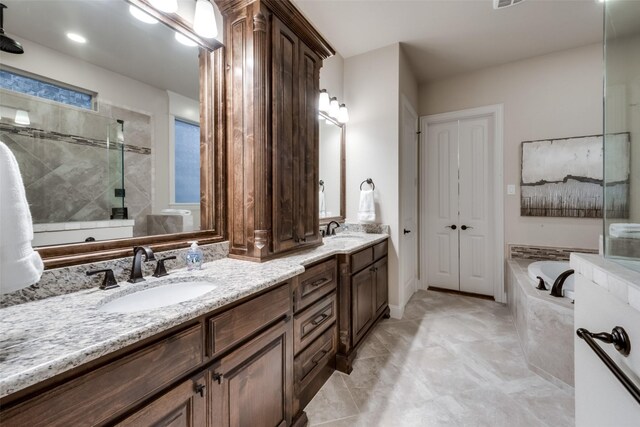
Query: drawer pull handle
[[319, 319], [200, 389], [320, 282], [217, 377], [319, 357]]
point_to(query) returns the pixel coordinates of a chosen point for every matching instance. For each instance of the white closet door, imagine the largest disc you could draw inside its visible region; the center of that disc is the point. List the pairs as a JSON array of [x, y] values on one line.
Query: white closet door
[[442, 199], [475, 201]]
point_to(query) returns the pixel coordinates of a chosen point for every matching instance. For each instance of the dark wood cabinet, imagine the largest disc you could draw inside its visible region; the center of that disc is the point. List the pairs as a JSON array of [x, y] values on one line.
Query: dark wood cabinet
[[252, 386], [273, 57], [363, 299], [183, 406]]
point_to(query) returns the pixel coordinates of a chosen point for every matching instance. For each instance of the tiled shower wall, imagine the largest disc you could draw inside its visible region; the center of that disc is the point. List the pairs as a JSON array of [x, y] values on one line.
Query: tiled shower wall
[[65, 165]]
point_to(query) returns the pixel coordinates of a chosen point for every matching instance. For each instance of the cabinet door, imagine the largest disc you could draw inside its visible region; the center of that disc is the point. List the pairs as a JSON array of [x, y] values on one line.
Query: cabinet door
[[253, 385], [381, 284], [308, 146], [286, 124], [183, 406], [362, 300]]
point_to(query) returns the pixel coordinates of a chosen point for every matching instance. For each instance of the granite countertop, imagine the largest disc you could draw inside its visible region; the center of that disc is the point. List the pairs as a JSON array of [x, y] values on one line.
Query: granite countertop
[[44, 338]]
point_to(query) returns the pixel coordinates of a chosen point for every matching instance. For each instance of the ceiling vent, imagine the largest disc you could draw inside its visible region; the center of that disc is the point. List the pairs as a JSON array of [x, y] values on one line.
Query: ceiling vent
[[500, 4]]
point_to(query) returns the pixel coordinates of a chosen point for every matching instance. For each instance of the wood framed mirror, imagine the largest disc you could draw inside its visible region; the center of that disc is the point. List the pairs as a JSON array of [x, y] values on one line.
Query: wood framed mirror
[[44, 147], [332, 174]]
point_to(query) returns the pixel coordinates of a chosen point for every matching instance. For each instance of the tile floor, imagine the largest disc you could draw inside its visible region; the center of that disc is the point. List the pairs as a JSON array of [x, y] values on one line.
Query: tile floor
[[451, 361]]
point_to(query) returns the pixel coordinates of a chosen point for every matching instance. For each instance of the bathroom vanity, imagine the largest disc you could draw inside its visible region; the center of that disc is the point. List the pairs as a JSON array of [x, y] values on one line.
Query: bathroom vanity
[[253, 351]]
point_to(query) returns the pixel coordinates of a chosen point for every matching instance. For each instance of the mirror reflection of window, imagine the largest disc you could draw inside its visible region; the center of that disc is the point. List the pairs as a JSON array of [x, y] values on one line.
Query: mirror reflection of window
[[187, 162], [90, 119]]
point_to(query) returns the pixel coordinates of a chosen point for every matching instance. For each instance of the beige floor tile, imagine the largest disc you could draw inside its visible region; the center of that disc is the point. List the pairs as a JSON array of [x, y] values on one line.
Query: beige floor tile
[[451, 361]]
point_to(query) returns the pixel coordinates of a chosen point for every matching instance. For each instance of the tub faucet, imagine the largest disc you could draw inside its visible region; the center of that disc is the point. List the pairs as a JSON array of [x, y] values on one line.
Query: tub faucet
[[556, 289], [136, 268]]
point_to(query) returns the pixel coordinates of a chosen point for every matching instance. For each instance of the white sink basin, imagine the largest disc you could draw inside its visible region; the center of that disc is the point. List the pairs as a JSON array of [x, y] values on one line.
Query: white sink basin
[[346, 236], [161, 296]]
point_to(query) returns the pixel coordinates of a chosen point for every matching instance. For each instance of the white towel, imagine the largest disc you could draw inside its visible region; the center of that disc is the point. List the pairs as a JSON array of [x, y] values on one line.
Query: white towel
[[20, 265], [367, 208], [625, 230], [322, 203]]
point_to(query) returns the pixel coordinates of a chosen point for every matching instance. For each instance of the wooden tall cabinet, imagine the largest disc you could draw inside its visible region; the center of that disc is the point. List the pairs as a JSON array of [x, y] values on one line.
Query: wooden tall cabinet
[[273, 58]]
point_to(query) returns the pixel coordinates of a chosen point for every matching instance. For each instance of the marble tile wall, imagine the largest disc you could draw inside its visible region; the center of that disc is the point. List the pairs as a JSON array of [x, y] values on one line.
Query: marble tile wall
[[544, 252], [69, 172], [66, 280]]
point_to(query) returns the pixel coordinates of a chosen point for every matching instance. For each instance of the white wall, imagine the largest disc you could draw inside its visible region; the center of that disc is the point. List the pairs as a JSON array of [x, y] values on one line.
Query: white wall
[[332, 76], [550, 96], [371, 90]]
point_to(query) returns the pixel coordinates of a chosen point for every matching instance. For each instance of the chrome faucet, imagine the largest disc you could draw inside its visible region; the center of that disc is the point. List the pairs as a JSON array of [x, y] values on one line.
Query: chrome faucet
[[136, 268], [331, 231], [556, 289]]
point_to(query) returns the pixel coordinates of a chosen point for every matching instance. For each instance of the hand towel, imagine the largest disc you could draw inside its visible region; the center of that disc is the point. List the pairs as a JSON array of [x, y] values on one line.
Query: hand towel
[[322, 203], [367, 208], [20, 265]]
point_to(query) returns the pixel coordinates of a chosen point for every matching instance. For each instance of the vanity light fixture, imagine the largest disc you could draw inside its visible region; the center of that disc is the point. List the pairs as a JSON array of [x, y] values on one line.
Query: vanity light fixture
[[142, 16], [204, 21], [343, 114], [76, 38], [185, 40], [324, 102], [334, 107], [168, 6], [22, 118]]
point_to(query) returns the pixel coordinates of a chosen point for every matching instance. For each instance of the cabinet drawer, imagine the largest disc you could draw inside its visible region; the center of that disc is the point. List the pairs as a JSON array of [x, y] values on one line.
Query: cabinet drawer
[[238, 323], [380, 250], [95, 397], [361, 259], [309, 324], [314, 283], [314, 357]]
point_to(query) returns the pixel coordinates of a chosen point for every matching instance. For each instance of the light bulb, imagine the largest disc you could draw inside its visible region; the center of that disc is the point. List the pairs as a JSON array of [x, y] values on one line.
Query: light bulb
[[185, 40], [343, 114], [142, 16], [334, 107], [323, 104], [168, 6], [205, 20], [22, 118]]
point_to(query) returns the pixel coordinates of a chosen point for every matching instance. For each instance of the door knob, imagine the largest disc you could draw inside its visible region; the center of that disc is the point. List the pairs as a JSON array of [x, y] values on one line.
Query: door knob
[[406, 231], [464, 227], [453, 227]]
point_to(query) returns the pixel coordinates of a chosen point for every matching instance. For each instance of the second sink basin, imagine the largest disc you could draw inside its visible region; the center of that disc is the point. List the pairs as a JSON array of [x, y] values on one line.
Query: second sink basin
[[346, 236], [160, 296]]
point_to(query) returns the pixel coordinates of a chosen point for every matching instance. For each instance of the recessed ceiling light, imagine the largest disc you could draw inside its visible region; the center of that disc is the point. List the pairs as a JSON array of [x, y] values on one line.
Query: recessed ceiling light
[[142, 16], [76, 38], [185, 40]]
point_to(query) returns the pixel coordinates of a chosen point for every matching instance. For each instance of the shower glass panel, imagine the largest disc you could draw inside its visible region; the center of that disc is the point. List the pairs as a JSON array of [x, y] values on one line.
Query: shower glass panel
[[622, 132]]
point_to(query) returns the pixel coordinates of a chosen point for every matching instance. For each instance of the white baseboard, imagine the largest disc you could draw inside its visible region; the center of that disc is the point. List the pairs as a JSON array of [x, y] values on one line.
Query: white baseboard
[[396, 311]]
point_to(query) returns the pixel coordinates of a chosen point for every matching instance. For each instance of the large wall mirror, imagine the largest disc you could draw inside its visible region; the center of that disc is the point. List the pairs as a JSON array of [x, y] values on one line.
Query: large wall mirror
[[332, 170], [110, 115]]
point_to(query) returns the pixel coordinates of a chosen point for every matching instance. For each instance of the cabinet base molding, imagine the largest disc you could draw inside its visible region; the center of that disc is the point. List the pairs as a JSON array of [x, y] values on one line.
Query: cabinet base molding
[[344, 361], [244, 257], [301, 421]]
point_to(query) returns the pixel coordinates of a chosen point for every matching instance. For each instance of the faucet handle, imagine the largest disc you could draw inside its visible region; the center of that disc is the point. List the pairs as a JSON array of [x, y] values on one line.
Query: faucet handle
[[161, 270], [109, 280]]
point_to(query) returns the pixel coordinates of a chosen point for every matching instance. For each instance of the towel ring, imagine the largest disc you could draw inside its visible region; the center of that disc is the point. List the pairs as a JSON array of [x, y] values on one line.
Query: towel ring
[[368, 181], [322, 185]]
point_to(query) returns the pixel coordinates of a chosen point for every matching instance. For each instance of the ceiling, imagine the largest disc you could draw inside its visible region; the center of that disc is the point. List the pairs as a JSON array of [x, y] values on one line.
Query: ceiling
[[116, 40], [447, 37]]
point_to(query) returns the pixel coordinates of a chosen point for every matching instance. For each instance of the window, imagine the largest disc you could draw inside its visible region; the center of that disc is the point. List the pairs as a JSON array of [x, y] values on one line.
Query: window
[[47, 90], [187, 162]]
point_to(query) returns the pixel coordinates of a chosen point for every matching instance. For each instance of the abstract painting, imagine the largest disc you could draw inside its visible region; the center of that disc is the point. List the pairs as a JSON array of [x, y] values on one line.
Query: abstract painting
[[564, 177]]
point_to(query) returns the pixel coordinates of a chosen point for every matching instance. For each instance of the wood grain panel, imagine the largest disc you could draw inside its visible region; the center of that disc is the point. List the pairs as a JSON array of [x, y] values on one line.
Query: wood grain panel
[[314, 283], [309, 324]]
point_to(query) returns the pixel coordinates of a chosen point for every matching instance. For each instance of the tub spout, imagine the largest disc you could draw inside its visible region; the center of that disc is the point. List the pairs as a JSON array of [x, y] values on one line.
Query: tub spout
[[556, 289]]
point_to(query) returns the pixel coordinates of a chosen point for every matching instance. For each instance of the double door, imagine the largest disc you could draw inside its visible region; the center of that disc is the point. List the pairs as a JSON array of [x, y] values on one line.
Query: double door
[[460, 205]]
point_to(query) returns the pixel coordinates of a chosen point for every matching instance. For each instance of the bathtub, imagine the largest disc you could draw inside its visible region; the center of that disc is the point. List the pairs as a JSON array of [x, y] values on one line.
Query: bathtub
[[549, 271]]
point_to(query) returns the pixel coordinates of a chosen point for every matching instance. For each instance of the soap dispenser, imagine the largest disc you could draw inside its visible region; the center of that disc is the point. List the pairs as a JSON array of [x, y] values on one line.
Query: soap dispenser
[[194, 257]]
